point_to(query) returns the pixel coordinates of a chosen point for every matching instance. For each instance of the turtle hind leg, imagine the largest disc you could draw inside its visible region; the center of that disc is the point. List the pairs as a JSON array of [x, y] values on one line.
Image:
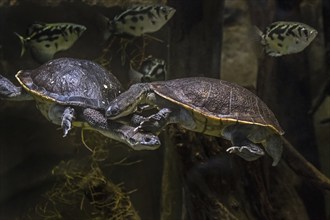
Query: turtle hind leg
[[120, 132], [246, 149], [11, 92]]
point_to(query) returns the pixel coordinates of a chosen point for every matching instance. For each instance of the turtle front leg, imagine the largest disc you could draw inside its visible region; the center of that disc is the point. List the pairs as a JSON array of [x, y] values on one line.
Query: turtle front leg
[[121, 132], [67, 117], [11, 92], [242, 146], [248, 152], [156, 122]]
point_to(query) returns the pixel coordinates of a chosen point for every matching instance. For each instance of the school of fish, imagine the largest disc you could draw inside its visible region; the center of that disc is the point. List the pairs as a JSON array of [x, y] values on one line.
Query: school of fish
[[44, 40]]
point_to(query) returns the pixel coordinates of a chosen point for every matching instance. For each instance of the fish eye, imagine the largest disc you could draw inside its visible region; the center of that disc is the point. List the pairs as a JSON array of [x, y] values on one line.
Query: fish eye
[[145, 79], [163, 9]]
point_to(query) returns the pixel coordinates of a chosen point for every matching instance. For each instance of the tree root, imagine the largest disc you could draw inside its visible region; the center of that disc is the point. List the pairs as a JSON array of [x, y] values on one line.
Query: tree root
[[304, 168]]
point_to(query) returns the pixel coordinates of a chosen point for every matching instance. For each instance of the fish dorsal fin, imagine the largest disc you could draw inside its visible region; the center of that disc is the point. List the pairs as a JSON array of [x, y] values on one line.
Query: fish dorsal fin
[[64, 34], [35, 27], [137, 9], [105, 26]]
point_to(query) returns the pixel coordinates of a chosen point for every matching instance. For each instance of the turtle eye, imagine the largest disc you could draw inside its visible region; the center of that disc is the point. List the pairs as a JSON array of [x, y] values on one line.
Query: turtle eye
[[113, 110], [147, 139]]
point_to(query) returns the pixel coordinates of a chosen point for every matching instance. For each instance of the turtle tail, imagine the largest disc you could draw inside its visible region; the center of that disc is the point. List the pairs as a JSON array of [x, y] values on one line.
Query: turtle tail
[[274, 148], [22, 43]]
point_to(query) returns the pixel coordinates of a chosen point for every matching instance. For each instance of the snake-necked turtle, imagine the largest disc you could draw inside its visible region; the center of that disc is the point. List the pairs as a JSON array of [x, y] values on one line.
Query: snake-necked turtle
[[210, 106], [72, 92]]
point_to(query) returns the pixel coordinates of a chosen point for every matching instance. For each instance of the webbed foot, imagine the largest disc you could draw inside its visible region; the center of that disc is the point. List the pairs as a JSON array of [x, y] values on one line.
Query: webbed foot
[[250, 152], [67, 117], [143, 141], [154, 123], [121, 132], [136, 120]]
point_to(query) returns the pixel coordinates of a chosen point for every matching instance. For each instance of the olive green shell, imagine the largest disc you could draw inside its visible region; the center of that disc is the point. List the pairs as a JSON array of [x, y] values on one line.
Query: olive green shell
[[218, 100], [71, 81]]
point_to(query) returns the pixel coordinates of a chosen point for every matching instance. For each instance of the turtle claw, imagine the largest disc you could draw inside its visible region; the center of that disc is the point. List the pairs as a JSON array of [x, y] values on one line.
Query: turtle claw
[[151, 124], [66, 128], [248, 153], [233, 150], [240, 149], [144, 141], [154, 123], [135, 130]]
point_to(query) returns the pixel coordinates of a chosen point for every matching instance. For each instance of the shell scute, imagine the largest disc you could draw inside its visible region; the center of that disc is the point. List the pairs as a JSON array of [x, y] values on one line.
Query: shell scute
[[72, 82], [218, 100]]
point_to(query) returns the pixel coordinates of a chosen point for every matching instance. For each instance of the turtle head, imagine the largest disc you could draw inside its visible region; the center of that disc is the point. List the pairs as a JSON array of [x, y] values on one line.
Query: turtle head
[[8, 89], [121, 107], [127, 102], [113, 110], [144, 141]]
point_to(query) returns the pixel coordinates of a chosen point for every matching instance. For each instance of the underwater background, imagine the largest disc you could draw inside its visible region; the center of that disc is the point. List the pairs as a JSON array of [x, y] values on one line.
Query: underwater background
[[46, 176]]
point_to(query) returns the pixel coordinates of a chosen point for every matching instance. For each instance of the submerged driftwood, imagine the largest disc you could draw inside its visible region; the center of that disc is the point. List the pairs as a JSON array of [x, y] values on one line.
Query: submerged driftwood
[[218, 186]]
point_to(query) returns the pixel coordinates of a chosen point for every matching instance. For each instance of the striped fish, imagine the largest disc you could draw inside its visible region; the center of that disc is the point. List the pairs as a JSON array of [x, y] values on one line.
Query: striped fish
[[283, 37], [152, 69], [139, 20], [44, 40]]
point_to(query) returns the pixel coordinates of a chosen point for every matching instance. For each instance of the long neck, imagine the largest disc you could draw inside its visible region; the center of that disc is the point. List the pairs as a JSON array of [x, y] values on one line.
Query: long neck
[[127, 102], [8, 91]]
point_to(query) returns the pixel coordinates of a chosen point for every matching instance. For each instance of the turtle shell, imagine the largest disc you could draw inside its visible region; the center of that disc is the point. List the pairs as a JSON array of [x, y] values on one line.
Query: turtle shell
[[69, 81], [218, 100]]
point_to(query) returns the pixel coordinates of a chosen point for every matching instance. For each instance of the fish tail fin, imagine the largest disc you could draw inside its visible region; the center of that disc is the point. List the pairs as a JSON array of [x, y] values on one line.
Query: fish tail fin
[[258, 35], [105, 26], [22, 43], [257, 38]]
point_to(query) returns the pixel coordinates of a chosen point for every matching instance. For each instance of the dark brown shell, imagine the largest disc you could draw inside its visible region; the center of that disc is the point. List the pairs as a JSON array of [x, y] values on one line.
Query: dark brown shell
[[71, 81], [219, 100]]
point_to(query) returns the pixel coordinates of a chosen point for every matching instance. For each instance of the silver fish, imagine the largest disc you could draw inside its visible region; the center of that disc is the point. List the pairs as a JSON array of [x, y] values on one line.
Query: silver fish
[[283, 37], [139, 20], [44, 40]]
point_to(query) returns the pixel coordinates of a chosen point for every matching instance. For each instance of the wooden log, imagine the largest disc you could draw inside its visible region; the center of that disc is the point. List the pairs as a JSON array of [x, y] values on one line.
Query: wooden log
[[284, 84], [194, 50]]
